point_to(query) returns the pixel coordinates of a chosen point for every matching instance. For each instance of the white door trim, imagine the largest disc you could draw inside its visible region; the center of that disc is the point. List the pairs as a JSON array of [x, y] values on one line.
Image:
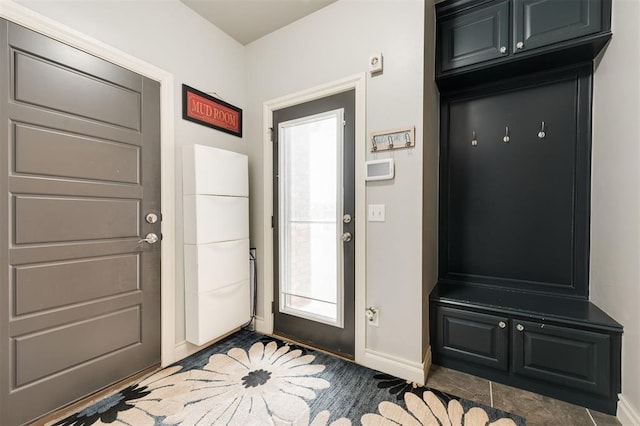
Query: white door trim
[[357, 82], [28, 18]]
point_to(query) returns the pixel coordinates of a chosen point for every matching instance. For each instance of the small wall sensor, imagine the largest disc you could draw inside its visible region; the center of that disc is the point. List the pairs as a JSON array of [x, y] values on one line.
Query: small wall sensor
[[375, 63], [379, 169]]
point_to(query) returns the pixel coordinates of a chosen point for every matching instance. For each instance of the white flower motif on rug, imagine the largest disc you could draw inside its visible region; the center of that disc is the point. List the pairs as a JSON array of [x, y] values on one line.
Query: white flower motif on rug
[[430, 411], [137, 404], [265, 385]]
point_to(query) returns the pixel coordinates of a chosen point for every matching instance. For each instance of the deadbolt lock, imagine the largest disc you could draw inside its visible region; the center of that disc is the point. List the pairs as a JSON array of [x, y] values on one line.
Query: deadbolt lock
[[151, 218]]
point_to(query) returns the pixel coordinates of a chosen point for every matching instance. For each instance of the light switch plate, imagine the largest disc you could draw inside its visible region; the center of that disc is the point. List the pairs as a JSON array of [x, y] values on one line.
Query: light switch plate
[[376, 212]]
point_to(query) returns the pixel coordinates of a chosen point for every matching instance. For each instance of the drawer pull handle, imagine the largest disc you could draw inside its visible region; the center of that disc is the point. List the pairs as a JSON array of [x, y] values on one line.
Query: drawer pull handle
[[502, 324], [520, 327]]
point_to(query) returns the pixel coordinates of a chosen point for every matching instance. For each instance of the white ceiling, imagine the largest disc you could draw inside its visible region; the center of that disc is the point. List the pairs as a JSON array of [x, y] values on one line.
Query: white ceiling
[[248, 20]]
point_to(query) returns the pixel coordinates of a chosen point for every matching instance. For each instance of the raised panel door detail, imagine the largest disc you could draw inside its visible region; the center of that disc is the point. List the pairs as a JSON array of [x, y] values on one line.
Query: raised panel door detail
[[569, 357], [38, 360], [472, 336], [73, 219], [540, 23], [44, 286], [474, 37], [51, 86], [47, 152]]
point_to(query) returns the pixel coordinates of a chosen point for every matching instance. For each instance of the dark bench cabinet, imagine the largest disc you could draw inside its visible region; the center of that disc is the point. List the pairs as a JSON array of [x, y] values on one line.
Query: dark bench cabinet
[[564, 348], [480, 39], [512, 299]]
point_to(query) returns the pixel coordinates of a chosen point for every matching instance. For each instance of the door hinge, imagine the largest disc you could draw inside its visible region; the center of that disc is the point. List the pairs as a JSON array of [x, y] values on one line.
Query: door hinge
[[344, 123], [272, 222], [273, 306], [271, 134]]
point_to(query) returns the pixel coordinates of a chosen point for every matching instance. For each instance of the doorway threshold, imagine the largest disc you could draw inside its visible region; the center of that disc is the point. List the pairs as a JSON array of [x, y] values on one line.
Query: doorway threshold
[[293, 340]]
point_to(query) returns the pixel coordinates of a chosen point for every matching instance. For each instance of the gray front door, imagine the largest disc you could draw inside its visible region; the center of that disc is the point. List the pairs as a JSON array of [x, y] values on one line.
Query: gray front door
[[79, 172], [314, 235]]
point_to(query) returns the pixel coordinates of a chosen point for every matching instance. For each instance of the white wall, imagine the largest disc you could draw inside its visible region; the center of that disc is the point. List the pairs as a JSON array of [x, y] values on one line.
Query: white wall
[[615, 203], [329, 45], [170, 36]]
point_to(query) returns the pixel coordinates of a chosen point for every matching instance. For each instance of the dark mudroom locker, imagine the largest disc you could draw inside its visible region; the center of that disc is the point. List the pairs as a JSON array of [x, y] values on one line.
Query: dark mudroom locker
[[512, 299]]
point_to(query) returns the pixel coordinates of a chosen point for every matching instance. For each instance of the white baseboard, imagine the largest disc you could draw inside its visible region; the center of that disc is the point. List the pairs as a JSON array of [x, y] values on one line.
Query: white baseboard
[[408, 370], [627, 414], [183, 350], [261, 326]]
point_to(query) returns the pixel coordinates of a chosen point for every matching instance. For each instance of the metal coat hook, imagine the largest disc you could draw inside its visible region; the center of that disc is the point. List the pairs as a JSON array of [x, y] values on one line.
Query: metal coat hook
[[474, 140], [390, 142], [505, 139], [407, 139], [374, 144], [542, 133]]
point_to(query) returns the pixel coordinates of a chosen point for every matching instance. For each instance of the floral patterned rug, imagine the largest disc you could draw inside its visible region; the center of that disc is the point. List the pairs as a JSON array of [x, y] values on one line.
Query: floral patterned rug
[[251, 379]]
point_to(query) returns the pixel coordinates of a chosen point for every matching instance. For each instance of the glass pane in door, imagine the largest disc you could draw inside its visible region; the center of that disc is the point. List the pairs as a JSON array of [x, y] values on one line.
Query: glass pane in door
[[310, 180]]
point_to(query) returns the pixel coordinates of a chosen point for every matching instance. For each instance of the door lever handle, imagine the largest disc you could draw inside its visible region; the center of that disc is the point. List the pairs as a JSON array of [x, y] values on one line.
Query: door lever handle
[[150, 238]]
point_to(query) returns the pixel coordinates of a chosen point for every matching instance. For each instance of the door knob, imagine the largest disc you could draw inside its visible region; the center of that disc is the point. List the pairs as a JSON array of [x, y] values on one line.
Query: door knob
[[519, 45], [150, 238], [520, 327], [346, 237], [502, 324], [346, 218]]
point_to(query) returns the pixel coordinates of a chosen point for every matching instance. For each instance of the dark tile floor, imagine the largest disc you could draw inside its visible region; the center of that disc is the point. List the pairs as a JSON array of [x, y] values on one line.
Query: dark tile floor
[[537, 409]]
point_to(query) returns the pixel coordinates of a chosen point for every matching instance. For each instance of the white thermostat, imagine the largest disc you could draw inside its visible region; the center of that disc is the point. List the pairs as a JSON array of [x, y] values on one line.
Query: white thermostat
[[379, 169]]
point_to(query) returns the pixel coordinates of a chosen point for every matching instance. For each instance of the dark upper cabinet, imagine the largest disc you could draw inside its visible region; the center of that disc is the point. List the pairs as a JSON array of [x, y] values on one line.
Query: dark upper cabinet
[[483, 40], [474, 36], [538, 23]]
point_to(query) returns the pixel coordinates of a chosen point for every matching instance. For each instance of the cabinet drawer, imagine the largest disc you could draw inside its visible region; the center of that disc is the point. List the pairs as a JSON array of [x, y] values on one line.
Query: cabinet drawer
[[574, 358], [470, 336], [540, 23], [475, 36]]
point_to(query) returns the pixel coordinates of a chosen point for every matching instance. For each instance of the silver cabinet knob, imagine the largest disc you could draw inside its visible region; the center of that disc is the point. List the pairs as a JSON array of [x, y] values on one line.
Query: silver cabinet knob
[[519, 45], [520, 327], [502, 324], [503, 50], [346, 237], [150, 238], [346, 218]]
